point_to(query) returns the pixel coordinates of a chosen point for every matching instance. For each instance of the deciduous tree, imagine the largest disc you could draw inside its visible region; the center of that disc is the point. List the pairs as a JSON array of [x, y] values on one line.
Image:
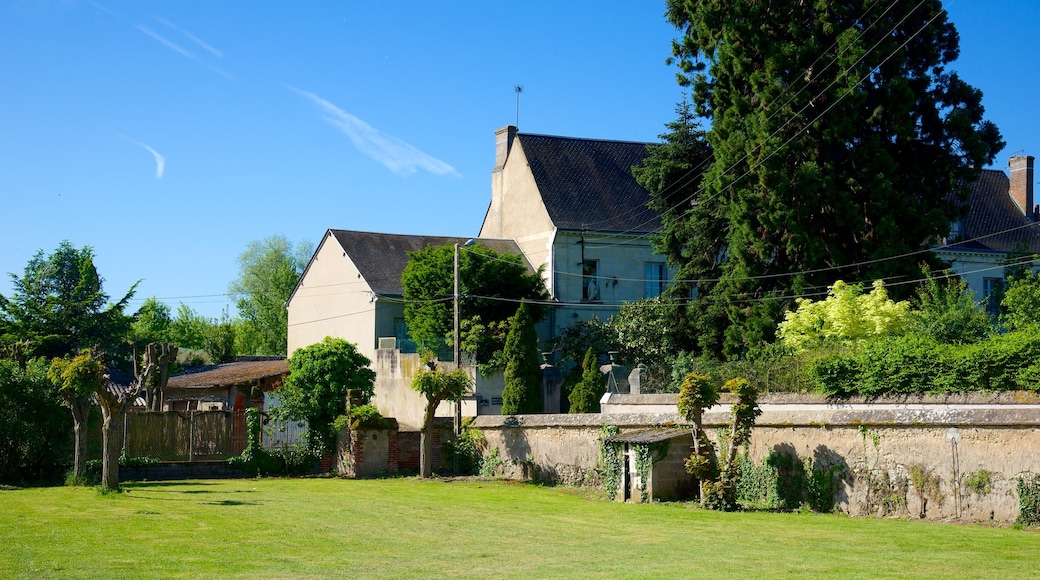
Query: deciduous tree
[[489, 283], [320, 375], [268, 272], [435, 385]]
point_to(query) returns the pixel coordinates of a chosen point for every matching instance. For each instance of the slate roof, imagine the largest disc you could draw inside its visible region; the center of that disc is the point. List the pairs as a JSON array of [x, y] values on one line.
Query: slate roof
[[228, 374], [588, 183], [994, 223], [381, 258]]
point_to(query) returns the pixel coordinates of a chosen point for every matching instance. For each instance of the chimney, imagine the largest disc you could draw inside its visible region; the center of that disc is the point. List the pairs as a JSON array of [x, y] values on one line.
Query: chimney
[[504, 142], [1022, 183]]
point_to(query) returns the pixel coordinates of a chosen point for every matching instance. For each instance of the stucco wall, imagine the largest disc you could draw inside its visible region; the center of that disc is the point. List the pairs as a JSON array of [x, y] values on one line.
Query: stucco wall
[[517, 212], [332, 300], [876, 448]]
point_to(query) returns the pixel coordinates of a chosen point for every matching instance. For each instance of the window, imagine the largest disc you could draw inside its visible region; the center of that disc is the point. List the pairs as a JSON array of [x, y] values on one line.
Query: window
[[589, 282], [992, 292], [655, 279]]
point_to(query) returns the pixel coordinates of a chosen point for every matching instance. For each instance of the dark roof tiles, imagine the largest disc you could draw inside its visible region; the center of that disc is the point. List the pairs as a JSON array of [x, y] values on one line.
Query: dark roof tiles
[[381, 258], [994, 221], [588, 183]]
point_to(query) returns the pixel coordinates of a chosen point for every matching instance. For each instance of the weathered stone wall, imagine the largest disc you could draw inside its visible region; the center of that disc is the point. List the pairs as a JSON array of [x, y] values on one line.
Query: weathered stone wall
[[881, 449]]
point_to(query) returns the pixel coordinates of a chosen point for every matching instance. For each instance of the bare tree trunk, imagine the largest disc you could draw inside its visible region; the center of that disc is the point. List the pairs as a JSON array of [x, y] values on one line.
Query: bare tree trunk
[[80, 414], [426, 440], [110, 454]]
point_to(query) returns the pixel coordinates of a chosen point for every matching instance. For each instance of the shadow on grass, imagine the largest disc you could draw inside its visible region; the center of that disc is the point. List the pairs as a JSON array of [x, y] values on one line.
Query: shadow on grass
[[148, 484], [232, 502]]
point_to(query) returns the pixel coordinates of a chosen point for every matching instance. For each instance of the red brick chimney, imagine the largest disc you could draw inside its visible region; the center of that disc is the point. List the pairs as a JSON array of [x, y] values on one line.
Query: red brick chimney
[[1022, 183]]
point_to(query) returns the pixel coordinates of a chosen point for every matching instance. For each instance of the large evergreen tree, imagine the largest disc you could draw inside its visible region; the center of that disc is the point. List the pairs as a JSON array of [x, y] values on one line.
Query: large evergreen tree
[[839, 141]]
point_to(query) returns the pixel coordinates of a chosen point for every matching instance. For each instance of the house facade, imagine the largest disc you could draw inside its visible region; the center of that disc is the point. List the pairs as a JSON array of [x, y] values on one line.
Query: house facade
[[573, 206], [351, 289], [999, 228]]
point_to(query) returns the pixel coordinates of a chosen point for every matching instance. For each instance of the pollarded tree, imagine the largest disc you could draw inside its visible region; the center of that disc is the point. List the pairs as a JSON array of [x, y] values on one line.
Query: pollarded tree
[[320, 376], [268, 272], [840, 141], [79, 379], [435, 385], [585, 396], [522, 392]]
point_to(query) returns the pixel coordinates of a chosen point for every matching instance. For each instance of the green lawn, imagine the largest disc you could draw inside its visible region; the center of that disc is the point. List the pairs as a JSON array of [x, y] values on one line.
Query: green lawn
[[403, 528]]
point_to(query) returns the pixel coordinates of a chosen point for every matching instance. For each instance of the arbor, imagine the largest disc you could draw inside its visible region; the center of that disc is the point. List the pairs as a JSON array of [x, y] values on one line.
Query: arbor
[[59, 306], [839, 140], [489, 285], [435, 385], [522, 392], [268, 272], [320, 375]]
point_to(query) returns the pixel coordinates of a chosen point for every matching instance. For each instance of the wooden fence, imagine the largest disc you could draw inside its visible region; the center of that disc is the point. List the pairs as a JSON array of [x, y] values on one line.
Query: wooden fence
[[189, 435]]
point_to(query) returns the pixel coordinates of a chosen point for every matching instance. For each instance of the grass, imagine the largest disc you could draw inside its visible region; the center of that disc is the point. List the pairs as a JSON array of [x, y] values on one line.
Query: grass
[[406, 528]]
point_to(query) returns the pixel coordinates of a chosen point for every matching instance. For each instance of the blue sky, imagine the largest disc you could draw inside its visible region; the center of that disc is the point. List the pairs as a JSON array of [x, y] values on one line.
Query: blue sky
[[167, 135]]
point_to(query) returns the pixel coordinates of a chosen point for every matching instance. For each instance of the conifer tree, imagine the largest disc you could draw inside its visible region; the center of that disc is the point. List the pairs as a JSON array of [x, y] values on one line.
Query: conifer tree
[[522, 392], [586, 394], [839, 140]]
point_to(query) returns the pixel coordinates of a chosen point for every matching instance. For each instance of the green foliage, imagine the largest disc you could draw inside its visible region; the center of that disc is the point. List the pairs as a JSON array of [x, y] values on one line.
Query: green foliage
[[979, 482], [486, 278], [585, 396], [846, 315], [268, 272], [437, 385], [151, 323], [467, 451], [365, 417], [58, 307], [644, 330], [34, 428], [320, 375], [188, 328], [79, 376], [256, 461], [815, 165], [490, 463], [914, 364], [927, 486], [1028, 487], [696, 393], [1020, 307], [611, 457], [522, 393], [947, 313]]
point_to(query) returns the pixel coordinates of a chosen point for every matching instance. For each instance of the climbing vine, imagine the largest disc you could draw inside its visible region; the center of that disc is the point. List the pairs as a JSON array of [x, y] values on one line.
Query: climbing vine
[[1028, 499], [646, 456], [610, 453]]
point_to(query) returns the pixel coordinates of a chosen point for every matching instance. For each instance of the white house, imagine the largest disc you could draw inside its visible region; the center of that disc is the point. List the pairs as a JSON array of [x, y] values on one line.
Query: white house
[[574, 206]]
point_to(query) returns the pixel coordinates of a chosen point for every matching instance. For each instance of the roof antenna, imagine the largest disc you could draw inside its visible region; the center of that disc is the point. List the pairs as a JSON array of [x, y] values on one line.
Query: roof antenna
[[519, 89]]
